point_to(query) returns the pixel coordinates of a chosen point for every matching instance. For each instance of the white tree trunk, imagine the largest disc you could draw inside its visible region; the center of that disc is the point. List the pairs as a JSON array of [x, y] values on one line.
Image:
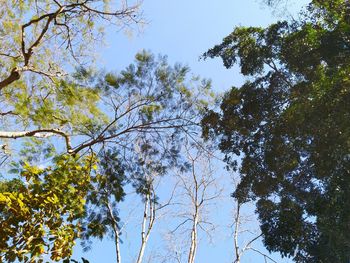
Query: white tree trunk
[[147, 225], [116, 233], [117, 247], [194, 231]]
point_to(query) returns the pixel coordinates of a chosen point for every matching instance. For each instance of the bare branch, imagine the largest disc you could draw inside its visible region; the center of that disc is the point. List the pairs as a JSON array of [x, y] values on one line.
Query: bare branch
[[42, 133], [247, 246], [263, 254], [7, 113]]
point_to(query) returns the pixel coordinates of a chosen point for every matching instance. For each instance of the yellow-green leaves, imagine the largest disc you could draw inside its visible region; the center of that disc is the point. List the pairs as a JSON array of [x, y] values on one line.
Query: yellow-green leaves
[[42, 216]]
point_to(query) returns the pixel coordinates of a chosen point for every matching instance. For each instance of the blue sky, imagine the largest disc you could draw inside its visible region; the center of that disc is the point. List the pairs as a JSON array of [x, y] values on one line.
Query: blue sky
[[183, 30]]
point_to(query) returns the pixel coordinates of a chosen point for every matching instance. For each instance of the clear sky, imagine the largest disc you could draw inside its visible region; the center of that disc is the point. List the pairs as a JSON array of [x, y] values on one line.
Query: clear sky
[[183, 30]]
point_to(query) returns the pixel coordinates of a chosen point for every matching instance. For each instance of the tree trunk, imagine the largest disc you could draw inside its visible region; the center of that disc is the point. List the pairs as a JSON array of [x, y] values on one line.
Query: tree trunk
[[193, 248], [117, 247], [146, 228], [116, 233], [235, 236]]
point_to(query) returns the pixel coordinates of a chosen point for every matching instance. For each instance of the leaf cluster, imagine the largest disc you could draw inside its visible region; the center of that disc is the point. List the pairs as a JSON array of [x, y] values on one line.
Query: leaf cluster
[[290, 124], [40, 212]]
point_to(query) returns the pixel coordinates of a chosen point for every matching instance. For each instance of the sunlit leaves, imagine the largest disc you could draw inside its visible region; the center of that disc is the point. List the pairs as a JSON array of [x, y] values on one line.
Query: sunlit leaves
[[41, 216]]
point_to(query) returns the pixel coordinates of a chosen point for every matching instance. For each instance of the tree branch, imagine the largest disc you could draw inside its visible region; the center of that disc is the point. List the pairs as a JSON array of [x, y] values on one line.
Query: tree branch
[[14, 75], [263, 254], [42, 133], [80, 8]]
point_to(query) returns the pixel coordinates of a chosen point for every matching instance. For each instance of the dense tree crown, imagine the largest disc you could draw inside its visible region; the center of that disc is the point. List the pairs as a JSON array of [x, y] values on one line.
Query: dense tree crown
[[290, 123]]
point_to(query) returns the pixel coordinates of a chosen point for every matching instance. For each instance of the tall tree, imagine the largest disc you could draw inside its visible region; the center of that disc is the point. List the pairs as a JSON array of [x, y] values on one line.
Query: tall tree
[[150, 102], [40, 42], [290, 124], [198, 190], [156, 106]]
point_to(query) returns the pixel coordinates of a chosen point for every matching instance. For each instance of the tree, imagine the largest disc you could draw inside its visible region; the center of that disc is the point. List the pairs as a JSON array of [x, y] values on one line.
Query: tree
[[40, 213], [144, 172], [198, 190], [150, 102], [40, 41], [155, 107], [33, 32], [290, 124], [101, 210], [242, 247], [152, 163]]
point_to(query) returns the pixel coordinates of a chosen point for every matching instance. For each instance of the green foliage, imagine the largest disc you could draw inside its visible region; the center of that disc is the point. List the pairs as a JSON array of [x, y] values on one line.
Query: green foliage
[[146, 110], [290, 123], [40, 40], [156, 106], [71, 27], [40, 213]]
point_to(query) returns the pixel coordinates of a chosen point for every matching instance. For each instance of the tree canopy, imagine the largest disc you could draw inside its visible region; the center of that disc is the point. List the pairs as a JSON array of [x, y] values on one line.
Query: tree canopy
[[290, 124], [40, 37], [80, 145], [72, 136], [117, 128]]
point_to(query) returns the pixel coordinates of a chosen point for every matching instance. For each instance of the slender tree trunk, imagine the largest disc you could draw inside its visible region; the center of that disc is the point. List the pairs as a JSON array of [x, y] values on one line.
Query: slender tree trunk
[[235, 235], [148, 217], [116, 233], [117, 246], [193, 247], [143, 231]]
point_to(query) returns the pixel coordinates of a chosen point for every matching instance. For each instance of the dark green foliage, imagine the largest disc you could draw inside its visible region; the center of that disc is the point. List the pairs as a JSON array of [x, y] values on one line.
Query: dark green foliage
[[291, 125], [11, 185], [83, 260]]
